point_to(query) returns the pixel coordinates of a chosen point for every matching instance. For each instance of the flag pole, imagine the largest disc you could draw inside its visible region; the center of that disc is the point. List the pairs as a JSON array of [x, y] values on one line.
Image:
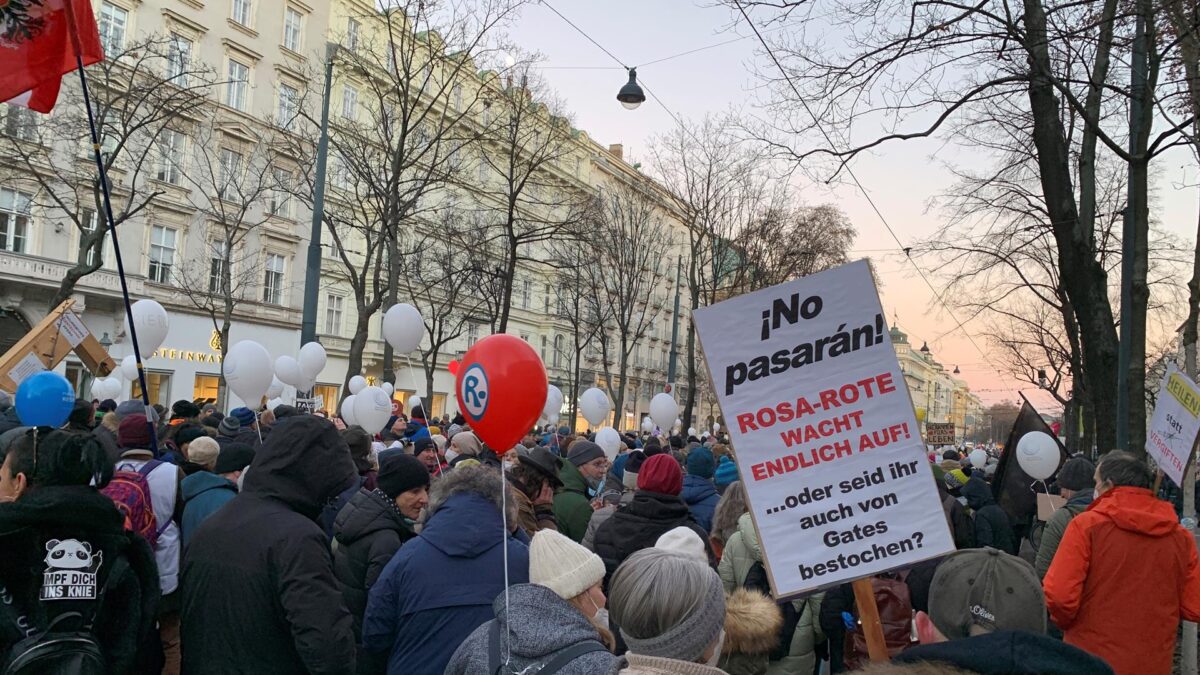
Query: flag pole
[[72, 29]]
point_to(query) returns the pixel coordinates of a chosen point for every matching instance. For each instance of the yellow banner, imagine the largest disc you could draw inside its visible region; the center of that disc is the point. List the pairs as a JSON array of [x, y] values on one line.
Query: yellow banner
[[1184, 394]]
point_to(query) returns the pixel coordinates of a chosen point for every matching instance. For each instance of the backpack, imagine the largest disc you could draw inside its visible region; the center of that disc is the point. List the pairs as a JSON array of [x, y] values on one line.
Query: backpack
[[130, 491], [895, 613], [756, 580], [69, 652], [559, 661]]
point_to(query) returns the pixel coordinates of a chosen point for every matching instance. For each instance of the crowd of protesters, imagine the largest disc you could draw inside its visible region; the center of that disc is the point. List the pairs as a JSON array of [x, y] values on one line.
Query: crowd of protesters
[[275, 541]]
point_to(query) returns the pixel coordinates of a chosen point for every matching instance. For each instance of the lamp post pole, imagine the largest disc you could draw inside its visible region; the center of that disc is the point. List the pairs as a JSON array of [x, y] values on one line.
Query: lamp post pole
[[312, 272], [671, 365]]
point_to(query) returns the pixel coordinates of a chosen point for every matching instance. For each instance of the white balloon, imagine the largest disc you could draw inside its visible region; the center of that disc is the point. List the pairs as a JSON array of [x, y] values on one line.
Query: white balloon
[[150, 320], [275, 389], [978, 458], [372, 409], [1038, 454], [387, 388], [287, 370], [691, 431], [663, 410], [113, 386], [274, 403], [595, 406], [129, 368], [348, 410], [357, 384], [554, 401], [716, 427], [678, 423], [312, 360], [248, 371], [609, 441], [647, 424], [403, 327], [99, 388], [305, 385], [414, 401]]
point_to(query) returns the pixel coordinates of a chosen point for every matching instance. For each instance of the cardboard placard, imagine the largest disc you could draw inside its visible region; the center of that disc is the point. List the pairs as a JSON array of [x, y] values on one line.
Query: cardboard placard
[[939, 433], [1171, 433], [825, 436], [1048, 504]]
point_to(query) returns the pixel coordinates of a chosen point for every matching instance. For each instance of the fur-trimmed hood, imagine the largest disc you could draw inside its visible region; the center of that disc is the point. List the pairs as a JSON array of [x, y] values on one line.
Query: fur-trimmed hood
[[752, 622]]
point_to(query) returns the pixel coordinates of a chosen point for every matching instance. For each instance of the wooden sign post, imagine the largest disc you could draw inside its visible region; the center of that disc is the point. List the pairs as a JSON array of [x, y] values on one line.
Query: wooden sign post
[[868, 613], [44, 347]]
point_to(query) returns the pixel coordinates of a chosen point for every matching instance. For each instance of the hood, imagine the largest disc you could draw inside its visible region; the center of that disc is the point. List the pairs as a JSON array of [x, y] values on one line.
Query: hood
[[464, 527], [1082, 497], [745, 525], [572, 480], [203, 481], [978, 494], [541, 623], [367, 512], [752, 623], [1137, 510], [655, 507], [304, 463], [697, 489], [75, 506], [1009, 653]]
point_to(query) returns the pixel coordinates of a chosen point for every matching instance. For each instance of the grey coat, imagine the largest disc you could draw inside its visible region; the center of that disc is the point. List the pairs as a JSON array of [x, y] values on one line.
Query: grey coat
[[1057, 526], [542, 625]]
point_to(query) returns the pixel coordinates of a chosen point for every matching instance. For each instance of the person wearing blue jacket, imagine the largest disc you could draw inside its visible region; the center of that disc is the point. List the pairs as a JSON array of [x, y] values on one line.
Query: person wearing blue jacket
[[204, 492], [439, 587], [698, 490]]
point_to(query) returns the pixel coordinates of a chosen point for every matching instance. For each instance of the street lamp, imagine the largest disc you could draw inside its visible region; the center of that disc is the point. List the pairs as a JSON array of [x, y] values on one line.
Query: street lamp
[[631, 95], [1042, 380]]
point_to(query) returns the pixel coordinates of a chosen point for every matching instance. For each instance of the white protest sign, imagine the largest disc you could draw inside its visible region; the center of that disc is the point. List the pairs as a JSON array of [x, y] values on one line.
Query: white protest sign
[[826, 440], [1172, 429], [70, 327]]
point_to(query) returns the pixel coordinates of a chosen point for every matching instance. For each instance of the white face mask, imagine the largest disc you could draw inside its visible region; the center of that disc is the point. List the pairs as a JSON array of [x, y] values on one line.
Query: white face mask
[[506, 464], [716, 653]]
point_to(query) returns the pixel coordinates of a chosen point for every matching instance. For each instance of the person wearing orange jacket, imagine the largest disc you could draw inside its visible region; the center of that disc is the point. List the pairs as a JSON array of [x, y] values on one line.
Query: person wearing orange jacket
[[1124, 573]]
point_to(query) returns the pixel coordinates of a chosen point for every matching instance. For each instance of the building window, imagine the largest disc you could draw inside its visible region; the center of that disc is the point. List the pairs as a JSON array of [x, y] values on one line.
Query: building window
[[170, 156], [483, 170], [273, 279], [543, 349], [293, 29], [230, 170], [239, 83], [472, 334], [333, 314], [241, 12], [112, 25], [546, 300], [15, 209], [327, 396], [280, 203], [525, 337], [456, 94], [349, 102], [289, 106], [20, 123], [162, 253], [179, 55], [219, 261], [352, 27], [526, 293], [205, 389], [339, 173], [558, 351], [90, 222], [159, 384]]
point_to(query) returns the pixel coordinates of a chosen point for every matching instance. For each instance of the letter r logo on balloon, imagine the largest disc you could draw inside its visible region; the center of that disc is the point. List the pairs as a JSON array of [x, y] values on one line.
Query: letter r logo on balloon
[[475, 391]]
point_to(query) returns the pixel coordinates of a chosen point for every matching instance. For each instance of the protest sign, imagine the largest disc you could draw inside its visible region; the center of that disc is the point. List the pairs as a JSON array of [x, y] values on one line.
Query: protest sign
[[1172, 430], [823, 428], [939, 433]]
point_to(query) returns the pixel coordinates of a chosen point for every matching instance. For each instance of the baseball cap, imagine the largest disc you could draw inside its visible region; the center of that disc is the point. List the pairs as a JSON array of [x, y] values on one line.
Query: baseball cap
[[987, 588]]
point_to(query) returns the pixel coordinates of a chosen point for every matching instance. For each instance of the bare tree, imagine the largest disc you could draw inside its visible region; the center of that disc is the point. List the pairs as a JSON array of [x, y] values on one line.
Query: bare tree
[[788, 242], [574, 304], [140, 94]]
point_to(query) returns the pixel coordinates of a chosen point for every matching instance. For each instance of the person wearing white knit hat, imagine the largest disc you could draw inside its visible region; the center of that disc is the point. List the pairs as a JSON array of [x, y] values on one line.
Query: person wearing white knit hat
[[556, 623]]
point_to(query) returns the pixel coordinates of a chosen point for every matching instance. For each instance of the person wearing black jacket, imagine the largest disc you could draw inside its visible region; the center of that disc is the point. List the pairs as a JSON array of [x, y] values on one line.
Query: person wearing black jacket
[[259, 594], [992, 526], [52, 518], [369, 530]]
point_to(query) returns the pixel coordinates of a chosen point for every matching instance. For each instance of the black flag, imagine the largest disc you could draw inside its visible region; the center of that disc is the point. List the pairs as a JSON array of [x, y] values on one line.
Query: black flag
[[1011, 486]]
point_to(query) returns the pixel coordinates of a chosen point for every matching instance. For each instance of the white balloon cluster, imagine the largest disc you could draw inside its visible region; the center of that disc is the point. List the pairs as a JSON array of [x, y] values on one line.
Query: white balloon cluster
[[301, 372], [372, 408]]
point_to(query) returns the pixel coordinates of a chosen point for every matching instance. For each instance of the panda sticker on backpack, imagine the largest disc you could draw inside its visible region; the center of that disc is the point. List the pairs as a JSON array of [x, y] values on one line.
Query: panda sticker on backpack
[[70, 570]]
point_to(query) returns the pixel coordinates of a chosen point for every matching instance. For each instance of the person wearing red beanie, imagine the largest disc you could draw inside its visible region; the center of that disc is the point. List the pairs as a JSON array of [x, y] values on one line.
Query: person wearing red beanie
[[661, 474]]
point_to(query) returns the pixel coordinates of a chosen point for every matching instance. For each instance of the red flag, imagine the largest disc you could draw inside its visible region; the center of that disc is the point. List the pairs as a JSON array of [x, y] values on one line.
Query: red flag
[[38, 42]]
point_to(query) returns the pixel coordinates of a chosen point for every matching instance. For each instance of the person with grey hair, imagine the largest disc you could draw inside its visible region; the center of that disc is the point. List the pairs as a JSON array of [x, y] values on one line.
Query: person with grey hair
[[440, 586], [670, 610]]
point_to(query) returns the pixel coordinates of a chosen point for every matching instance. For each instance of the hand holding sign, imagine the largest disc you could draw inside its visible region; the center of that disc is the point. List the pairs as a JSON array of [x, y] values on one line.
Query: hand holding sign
[[501, 389]]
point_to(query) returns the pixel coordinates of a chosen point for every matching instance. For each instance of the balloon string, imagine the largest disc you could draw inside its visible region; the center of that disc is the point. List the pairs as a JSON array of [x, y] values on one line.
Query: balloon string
[[504, 550]]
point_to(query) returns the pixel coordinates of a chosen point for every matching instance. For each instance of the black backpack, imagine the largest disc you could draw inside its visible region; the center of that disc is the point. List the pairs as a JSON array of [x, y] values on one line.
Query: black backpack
[[756, 580], [65, 652], [558, 662]]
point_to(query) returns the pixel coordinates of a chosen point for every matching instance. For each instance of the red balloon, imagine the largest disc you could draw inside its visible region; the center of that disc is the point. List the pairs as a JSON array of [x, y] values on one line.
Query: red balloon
[[501, 388], [452, 367]]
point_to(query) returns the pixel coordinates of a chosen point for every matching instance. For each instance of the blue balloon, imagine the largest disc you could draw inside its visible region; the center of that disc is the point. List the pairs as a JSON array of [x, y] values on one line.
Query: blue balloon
[[45, 400]]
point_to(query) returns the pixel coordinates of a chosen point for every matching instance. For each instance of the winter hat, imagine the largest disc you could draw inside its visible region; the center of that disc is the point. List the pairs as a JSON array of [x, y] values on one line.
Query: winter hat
[[234, 457], [281, 411], [423, 444], [203, 451], [677, 442], [452, 431], [466, 443], [133, 432], [188, 433], [1077, 473], [418, 413], [358, 440], [106, 406], [229, 426], [583, 451], [183, 408], [399, 473], [987, 588], [440, 441], [545, 462], [563, 566], [633, 464], [134, 407], [951, 454], [660, 474], [684, 541], [652, 446], [244, 415], [700, 462], [726, 473], [687, 639]]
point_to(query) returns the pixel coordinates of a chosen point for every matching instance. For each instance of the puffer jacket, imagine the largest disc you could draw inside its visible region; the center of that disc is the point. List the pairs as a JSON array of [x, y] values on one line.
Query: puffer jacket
[[752, 624], [701, 497], [741, 552], [203, 493], [992, 526], [540, 625], [599, 516], [572, 507], [1126, 534], [639, 524], [1053, 532]]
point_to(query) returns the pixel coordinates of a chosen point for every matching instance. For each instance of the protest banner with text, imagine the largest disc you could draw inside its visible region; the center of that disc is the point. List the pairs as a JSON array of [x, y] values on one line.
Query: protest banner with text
[[824, 431], [939, 433], [1173, 427]]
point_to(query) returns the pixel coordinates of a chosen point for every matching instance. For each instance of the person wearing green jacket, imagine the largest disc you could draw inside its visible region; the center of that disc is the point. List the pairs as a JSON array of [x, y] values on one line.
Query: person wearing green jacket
[[1076, 482], [582, 476]]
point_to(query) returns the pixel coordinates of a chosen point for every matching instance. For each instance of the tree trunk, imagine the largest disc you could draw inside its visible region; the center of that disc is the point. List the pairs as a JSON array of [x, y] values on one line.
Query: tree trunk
[[691, 375], [389, 359], [575, 377], [354, 359], [510, 272], [619, 402], [222, 388]]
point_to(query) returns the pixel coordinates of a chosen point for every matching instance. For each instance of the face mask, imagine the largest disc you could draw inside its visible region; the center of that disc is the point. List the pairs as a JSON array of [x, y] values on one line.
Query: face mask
[[506, 464], [451, 453], [595, 486], [716, 654]]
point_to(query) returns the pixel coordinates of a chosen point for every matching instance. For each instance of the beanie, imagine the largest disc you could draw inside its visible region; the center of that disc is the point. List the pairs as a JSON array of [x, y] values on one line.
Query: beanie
[[1077, 473], [726, 473], [951, 454], [563, 566], [399, 473], [203, 451], [652, 446], [466, 443], [660, 474], [107, 405], [634, 464], [188, 433], [133, 432], [583, 451], [234, 457], [134, 407], [687, 640], [184, 409], [684, 541], [421, 445], [700, 462], [229, 426], [244, 415]]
